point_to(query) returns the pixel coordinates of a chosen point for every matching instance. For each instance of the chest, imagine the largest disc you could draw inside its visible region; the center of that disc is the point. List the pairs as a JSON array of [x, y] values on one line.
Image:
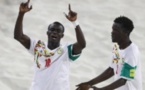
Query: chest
[[118, 60], [44, 57]]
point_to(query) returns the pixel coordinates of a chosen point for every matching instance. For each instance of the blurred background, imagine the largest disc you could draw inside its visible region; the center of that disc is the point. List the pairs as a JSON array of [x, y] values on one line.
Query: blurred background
[[95, 18]]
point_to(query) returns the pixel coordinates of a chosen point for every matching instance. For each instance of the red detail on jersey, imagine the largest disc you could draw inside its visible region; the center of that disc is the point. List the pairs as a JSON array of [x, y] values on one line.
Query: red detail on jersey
[[47, 62]]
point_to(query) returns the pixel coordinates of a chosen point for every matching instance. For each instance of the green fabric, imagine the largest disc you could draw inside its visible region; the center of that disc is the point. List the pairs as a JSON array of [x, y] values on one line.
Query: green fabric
[[72, 57], [128, 71]]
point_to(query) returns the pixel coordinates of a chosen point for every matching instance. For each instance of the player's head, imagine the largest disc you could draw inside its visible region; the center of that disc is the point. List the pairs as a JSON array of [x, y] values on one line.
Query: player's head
[[121, 28], [55, 31]]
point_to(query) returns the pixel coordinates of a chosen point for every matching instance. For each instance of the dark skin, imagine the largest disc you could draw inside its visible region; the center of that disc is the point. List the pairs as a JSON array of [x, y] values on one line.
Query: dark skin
[[54, 33], [120, 36], [54, 41]]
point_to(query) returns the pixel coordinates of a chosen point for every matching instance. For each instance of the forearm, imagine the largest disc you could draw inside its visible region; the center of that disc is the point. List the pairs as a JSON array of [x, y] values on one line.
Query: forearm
[[108, 73], [80, 37], [115, 84], [18, 31]]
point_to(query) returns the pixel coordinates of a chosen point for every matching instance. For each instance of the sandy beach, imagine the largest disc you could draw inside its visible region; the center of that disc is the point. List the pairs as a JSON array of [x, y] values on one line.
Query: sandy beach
[[95, 18]]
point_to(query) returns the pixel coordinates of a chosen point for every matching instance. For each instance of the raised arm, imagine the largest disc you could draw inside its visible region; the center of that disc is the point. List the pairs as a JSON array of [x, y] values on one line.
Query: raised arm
[[18, 31], [104, 76], [81, 43]]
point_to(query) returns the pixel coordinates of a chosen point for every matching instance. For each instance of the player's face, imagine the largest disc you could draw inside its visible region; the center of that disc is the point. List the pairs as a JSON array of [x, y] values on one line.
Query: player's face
[[55, 33], [117, 33]]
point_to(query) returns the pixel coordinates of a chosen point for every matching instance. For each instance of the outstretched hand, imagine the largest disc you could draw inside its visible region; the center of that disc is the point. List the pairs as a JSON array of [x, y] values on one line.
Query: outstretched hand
[[24, 7], [83, 86], [72, 16]]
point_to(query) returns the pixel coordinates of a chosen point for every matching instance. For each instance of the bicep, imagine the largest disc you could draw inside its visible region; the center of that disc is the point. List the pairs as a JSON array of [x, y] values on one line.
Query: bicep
[[25, 41], [129, 67], [71, 54], [76, 49]]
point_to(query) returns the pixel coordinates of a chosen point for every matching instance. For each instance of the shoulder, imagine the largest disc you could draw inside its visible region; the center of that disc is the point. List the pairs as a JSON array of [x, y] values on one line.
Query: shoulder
[[132, 49], [132, 54], [35, 41], [66, 44]]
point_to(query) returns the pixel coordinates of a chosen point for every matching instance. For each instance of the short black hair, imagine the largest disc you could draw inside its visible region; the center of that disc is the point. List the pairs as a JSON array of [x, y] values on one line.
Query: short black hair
[[125, 22], [56, 23]]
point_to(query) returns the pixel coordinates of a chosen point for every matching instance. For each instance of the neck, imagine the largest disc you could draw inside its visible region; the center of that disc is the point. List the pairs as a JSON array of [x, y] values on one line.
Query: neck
[[124, 44], [52, 45]]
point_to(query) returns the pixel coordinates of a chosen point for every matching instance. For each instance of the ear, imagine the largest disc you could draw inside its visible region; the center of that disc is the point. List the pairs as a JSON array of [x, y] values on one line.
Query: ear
[[126, 33]]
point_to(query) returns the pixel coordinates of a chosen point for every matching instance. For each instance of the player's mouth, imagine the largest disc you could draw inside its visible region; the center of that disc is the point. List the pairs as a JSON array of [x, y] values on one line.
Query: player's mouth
[[54, 37]]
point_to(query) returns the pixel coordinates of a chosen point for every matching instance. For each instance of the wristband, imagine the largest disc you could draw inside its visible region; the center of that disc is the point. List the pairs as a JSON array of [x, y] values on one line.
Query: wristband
[[75, 23]]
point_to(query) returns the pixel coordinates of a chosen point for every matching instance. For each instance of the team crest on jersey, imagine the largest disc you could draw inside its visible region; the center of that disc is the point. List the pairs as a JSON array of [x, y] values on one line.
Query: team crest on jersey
[[59, 50]]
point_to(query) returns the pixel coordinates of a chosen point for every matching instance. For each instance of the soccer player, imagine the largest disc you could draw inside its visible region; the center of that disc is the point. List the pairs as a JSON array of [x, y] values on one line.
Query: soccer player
[[125, 65], [51, 58]]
